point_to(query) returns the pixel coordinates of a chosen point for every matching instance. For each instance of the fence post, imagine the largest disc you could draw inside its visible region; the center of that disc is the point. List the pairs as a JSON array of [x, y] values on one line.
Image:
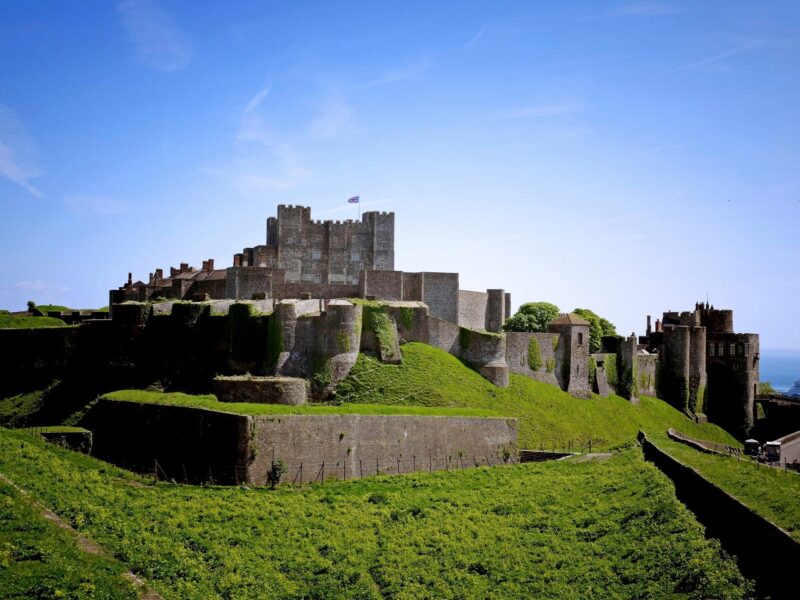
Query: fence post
[[398, 466], [377, 465], [430, 464], [414, 462], [344, 470], [361, 468], [323, 472]]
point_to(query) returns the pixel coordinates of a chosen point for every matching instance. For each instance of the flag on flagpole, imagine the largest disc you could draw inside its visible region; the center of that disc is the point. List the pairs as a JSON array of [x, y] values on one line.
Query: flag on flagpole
[[353, 200]]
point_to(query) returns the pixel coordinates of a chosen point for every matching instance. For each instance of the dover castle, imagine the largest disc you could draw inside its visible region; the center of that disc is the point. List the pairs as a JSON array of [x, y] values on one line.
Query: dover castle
[[306, 269]]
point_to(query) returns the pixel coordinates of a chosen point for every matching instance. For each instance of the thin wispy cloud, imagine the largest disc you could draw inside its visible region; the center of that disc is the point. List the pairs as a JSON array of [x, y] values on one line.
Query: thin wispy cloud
[[648, 9], [335, 119], [401, 74], [17, 153], [476, 37], [159, 43], [637, 9], [264, 160], [715, 60], [350, 207], [97, 205], [538, 111]]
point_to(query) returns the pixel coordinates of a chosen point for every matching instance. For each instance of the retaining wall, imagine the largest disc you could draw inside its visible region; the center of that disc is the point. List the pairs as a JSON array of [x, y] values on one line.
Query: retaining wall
[[356, 445], [195, 444]]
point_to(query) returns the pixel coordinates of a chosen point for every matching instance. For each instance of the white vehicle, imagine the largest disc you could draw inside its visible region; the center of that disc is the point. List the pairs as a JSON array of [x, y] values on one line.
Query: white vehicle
[[772, 452]]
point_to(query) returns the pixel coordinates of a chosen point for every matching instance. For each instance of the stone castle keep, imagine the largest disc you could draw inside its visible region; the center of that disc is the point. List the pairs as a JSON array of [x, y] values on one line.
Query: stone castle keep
[[692, 359], [303, 259]]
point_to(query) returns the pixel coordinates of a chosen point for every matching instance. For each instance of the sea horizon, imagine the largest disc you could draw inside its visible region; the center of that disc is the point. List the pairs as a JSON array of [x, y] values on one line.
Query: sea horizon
[[780, 367]]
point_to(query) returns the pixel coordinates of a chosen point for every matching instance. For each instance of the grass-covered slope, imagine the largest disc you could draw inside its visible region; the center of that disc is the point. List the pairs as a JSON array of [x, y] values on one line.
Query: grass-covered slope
[[773, 493], [9, 321], [210, 402], [40, 560], [611, 529], [547, 416]]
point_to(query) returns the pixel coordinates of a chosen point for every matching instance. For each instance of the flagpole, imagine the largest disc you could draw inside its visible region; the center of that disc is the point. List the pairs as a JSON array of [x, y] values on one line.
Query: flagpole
[[359, 206]]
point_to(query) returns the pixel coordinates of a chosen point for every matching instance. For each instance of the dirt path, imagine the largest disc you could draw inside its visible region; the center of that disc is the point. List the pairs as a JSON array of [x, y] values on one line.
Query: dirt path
[[84, 543]]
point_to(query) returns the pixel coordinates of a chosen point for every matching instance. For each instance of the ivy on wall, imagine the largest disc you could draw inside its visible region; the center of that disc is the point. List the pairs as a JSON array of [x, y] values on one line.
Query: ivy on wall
[[534, 355]]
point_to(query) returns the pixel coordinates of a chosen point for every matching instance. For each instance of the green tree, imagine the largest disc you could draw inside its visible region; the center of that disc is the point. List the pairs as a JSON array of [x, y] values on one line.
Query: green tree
[[532, 317], [598, 327]]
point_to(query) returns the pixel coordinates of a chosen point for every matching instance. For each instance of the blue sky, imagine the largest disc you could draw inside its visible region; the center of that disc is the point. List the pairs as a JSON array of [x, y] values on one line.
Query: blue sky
[[628, 157]]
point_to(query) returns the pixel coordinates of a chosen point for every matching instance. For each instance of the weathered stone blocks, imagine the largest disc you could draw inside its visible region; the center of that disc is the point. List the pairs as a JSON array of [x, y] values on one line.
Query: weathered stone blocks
[[261, 390]]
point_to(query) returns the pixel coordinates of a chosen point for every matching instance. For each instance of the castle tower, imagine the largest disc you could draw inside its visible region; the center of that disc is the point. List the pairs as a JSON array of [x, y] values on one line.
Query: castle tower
[[574, 375]]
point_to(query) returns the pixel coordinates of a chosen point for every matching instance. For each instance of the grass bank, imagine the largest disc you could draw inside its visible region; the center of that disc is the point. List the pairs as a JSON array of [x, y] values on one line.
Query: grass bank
[[556, 530], [772, 493], [547, 416], [247, 408], [40, 560], [9, 321]]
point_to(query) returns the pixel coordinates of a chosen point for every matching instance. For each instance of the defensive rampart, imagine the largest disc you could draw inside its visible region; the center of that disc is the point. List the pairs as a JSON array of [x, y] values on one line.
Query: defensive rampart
[[198, 445], [352, 446]]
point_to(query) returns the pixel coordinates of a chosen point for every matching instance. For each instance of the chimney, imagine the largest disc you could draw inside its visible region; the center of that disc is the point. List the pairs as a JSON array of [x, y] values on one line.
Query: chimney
[[130, 279], [184, 267], [159, 273], [150, 279], [649, 330], [210, 265], [658, 325], [237, 260], [205, 265], [173, 271]]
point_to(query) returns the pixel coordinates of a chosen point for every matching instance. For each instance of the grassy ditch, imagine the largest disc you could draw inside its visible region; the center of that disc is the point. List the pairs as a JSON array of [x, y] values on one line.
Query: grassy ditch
[[551, 530], [772, 493], [547, 416]]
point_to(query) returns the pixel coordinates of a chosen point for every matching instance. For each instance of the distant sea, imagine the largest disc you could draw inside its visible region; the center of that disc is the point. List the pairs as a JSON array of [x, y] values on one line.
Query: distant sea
[[780, 367]]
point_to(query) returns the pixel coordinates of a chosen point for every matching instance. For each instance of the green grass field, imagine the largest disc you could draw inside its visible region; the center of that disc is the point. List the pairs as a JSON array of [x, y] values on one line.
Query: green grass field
[[9, 321], [772, 493], [608, 529], [548, 417], [40, 560]]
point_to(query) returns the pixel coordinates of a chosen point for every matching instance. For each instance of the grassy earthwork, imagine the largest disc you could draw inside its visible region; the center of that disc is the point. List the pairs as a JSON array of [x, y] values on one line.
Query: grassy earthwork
[[548, 417], [9, 321], [772, 493], [605, 529]]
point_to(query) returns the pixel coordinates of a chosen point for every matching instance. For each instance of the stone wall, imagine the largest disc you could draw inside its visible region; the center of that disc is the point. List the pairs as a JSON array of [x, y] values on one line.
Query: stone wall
[[350, 445], [386, 285], [440, 293], [519, 350], [646, 371], [472, 309], [243, 282], [189, 444], [198, 445]]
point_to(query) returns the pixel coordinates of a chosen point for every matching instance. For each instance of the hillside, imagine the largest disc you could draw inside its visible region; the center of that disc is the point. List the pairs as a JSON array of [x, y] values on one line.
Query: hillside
[[548, 417], [606, 529]]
